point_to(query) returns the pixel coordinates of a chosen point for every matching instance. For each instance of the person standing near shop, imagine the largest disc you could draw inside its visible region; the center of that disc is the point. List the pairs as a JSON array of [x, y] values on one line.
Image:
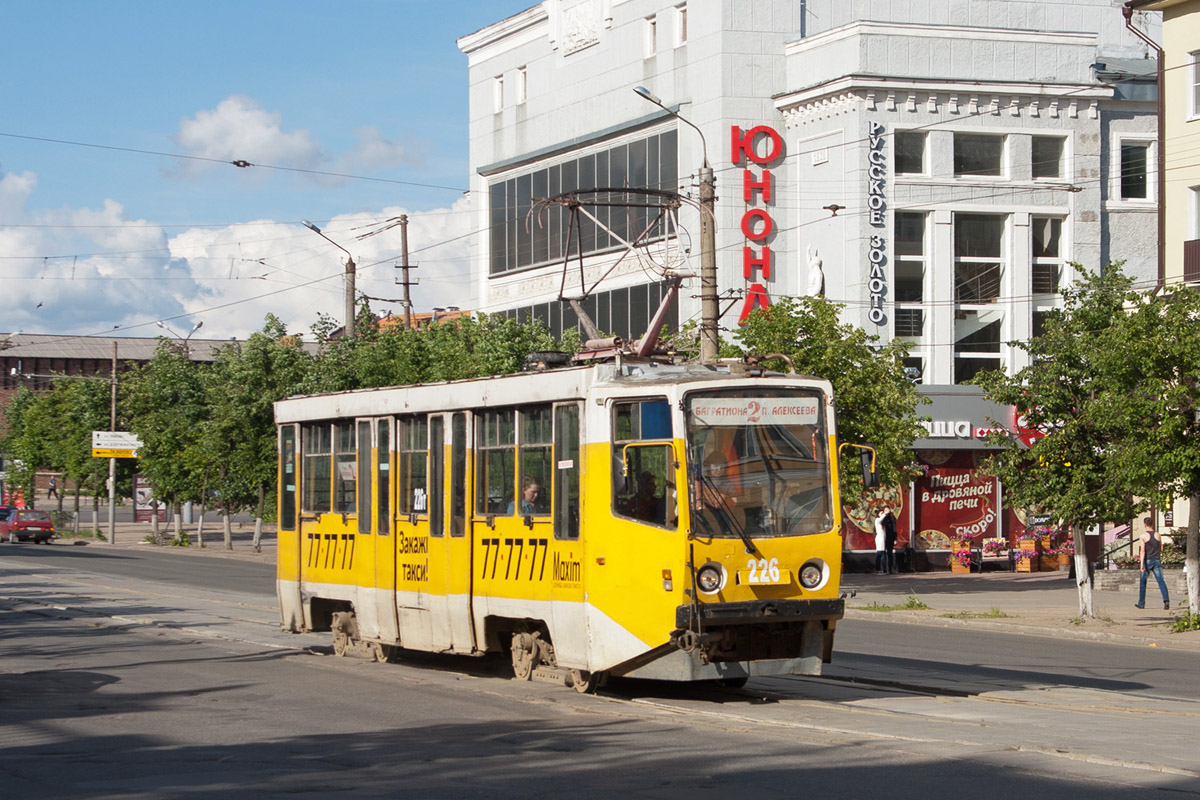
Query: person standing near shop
[[889, 539], [881, 556], [1152, 563]]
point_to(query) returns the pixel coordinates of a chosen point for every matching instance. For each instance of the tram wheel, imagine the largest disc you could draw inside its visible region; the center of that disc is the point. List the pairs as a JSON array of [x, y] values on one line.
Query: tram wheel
[[343, 632], [585, 682], [734, 683], [524, 655]]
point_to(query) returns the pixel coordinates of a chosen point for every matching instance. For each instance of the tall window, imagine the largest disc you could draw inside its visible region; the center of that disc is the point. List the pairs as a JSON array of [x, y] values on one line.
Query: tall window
[[318, 450], [1135, 170], [566, 481], [536, 441], [908, 278], [1194, 76], [978, 257], [1047, 156], [978, 155], [495, 470], [343, 465], [411, 492], [648, 163], [1046, 235], [978, 268], [909, 152], [651, 36], [522, 85], [498, 94], [681, 25]]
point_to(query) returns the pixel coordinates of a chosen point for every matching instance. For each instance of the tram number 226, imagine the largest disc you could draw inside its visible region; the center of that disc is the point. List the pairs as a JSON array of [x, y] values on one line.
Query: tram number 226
[[762, 571]]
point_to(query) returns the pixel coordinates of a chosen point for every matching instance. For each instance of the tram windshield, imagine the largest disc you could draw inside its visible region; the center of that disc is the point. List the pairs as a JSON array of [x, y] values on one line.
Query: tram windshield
[[758, 463]]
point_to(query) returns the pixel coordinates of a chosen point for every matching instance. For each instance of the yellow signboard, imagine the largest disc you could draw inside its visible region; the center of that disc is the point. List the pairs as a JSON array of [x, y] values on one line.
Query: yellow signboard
[[110, 452]]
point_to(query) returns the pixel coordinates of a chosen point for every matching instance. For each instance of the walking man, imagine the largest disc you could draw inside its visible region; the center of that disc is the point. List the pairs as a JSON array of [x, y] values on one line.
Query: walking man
[[52, 491], [1152, 563]]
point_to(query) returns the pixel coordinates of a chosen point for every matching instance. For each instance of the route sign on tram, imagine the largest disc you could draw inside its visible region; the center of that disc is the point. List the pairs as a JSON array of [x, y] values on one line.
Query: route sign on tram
[[115, 444]]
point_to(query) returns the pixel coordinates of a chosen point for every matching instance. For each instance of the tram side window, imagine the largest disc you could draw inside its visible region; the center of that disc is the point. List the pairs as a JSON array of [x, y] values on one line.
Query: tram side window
[[318, 452], [414, 438], [536, 436], [363, 455], [495, 469], [343, 463], [643, 477]]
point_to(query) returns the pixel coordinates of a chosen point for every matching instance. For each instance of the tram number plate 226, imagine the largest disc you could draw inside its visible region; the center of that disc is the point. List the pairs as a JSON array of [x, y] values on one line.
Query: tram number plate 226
[[763, 572]]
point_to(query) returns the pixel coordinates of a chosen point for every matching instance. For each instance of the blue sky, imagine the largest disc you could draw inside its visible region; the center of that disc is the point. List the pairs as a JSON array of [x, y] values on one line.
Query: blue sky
[[111, 240]]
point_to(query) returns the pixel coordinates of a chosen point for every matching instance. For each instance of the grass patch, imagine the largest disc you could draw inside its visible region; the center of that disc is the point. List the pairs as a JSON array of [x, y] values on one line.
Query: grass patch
[[1185, 622], [67, 533], [993, 613], [911, 604]]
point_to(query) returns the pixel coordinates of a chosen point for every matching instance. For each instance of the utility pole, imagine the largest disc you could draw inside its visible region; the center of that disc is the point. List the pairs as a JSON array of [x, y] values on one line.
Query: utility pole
[[112, 461], [405, 268], [709, 310]]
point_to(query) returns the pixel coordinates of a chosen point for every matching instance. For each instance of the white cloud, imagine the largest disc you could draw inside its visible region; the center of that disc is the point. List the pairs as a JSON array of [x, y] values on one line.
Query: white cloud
[[240, 128], [373, 151]]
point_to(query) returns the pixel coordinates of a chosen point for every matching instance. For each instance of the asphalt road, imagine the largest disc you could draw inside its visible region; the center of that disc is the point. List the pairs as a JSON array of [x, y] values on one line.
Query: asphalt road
[[112, 685]]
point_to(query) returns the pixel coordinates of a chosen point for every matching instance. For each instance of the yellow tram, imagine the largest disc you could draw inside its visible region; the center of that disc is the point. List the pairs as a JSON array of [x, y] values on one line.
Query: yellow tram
[[630, 518]]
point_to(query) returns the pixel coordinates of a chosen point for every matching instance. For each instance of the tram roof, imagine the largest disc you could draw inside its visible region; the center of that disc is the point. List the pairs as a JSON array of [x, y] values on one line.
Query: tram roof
[[543, 386]]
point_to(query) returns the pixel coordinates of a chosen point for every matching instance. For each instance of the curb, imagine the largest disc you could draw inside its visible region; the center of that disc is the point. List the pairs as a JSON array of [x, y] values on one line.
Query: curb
[[907, 618]]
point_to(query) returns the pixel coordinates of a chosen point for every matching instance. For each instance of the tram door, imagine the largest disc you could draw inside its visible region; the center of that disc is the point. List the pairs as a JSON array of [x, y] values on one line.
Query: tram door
[[288, 540], [385, 547], [450, 553]]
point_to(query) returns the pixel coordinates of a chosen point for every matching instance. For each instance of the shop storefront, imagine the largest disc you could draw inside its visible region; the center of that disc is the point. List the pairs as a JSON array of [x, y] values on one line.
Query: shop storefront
[[954, 498]]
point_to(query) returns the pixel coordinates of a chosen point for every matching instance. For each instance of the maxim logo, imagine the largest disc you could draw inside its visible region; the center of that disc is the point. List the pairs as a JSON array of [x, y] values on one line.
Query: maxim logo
[[567, 571]]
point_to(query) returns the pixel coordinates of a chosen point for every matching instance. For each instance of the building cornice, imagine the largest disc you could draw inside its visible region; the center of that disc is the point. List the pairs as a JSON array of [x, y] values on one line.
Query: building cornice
[[879, 93], [952, 32], [505, 29]]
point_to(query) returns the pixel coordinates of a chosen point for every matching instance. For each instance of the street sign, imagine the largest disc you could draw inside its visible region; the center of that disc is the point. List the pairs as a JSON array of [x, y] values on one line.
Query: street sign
[[114, 444]]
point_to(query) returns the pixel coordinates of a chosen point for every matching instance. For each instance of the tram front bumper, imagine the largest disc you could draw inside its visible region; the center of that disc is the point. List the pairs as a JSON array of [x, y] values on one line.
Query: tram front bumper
[[756, 612]]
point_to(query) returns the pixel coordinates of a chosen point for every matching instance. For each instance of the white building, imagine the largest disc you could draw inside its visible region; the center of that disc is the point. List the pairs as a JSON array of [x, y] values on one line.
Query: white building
[[941, 162]]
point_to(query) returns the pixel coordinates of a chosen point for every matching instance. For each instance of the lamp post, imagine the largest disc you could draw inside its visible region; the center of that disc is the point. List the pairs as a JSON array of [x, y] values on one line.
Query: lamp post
[[349, 276], [708, 239], [186, 350]]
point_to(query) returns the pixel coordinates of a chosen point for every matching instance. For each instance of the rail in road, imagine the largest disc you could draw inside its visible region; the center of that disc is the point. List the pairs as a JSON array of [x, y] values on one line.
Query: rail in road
[[1118, 738]]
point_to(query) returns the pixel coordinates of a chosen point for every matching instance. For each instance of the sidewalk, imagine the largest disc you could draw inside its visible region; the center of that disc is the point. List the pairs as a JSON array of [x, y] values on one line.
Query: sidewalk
[[139, 534], [1045, 604]]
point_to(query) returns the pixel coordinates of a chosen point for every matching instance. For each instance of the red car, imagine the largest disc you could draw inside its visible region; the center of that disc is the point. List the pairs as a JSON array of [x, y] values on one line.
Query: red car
[[24, 524]]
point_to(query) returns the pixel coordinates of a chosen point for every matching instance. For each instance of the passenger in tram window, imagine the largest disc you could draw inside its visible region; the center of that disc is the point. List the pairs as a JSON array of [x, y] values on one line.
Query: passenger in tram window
[[648, 503], [530, 489]]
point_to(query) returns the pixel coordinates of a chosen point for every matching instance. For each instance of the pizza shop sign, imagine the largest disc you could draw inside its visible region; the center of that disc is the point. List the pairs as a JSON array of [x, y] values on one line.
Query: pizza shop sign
[[957, 429]]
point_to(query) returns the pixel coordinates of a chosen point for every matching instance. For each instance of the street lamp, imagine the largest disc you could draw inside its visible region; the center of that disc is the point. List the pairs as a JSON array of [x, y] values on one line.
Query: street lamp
[[708, 239], [349, 275], [186, 351]]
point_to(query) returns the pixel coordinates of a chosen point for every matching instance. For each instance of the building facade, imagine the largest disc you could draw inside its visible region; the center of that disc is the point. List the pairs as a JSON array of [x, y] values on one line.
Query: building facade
[[935, 167]]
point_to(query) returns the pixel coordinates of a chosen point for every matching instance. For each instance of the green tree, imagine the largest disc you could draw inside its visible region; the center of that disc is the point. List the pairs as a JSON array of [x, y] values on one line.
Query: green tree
[[1157, 370], [876, 403], [239, 436], [169, 407], [1075, 392]]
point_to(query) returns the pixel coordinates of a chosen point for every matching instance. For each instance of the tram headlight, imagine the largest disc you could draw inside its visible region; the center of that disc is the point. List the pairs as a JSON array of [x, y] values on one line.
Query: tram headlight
[[710, 578], [811, 575]]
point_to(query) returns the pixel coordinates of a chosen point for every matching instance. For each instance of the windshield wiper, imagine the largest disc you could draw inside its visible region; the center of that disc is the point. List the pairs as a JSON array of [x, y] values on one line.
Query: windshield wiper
[[740, 530]]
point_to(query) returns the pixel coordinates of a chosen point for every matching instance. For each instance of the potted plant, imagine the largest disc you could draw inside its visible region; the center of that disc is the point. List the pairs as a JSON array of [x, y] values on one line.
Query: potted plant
[[1066, 552], [993, 547], [1025, 558]]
